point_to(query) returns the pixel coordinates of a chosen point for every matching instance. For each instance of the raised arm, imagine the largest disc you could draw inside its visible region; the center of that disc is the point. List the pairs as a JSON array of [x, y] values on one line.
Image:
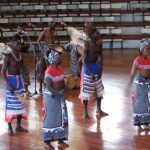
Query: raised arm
[[40, 38]]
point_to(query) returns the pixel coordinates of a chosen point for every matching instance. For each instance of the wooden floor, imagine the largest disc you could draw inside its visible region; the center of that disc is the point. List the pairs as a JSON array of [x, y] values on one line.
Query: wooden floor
[[112, 132]]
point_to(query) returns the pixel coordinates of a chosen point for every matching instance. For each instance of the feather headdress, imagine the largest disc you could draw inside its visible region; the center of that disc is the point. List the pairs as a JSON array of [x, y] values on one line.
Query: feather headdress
[[77, 37], [4, 49]]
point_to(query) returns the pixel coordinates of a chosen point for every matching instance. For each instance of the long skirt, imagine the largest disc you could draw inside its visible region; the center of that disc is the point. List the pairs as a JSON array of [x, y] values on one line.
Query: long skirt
[[55, 118], [13, 105], [141, 101]]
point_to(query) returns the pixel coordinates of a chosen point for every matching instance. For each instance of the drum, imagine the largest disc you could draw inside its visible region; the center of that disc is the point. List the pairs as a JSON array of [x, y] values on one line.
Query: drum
[[77, 82], [70, 82], [59, 49]]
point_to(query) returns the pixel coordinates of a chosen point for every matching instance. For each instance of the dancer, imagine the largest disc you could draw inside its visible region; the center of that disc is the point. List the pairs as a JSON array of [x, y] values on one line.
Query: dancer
[[91, 82], [48, 35], [11, 72], [24, 49], [140, 77], [41, 67], [21, 35], [55, 118], [76, 50]]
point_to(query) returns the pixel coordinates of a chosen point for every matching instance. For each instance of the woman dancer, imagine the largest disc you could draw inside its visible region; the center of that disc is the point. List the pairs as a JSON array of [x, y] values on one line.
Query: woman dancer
[[140, 76], [55, 118]]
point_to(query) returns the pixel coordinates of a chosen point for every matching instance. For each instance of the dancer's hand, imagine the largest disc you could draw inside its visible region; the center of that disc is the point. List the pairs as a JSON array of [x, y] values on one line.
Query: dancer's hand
[[93, 77], [53, 93], [11, 89], [99, 76]]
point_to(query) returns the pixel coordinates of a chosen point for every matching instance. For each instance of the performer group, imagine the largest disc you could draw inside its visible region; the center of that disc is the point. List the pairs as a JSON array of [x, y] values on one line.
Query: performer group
[[86, 62]]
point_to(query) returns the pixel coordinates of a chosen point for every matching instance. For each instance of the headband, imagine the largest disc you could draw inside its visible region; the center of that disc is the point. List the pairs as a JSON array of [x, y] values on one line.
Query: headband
[[143, 44], [53, 57]]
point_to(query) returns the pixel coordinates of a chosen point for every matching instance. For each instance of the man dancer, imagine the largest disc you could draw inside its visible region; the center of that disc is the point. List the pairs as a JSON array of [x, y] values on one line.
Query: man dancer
[[77, 51], [24, 49], [91, 83], [11, 71], [48, 34]]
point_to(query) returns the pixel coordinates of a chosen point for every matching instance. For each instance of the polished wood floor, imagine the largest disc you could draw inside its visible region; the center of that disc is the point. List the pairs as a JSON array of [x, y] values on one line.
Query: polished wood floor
[[112, 132]]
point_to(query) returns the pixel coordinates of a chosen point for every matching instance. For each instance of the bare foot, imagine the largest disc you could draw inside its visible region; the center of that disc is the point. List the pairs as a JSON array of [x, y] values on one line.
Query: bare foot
[[146, 126], [28, 95], [40, 92], [21, 129], [48, 146], [62, 144], [139, 129], [86, 116], [101, 113], [10, 132]]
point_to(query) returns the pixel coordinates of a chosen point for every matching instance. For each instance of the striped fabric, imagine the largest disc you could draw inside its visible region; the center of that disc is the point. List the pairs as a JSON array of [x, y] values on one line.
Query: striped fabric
[[13, 106], [90, 89], [74, 59]]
